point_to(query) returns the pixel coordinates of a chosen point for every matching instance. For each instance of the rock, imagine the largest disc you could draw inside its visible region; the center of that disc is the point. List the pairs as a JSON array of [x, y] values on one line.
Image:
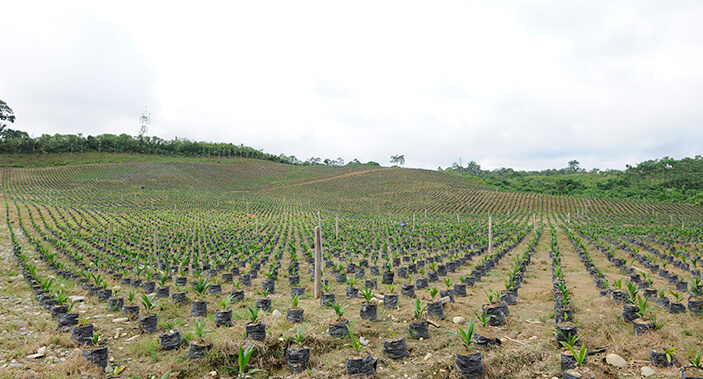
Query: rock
[[647, 371], [41, 350], [615, 360], [108, 369], [213, 373], [428, 356], [76, 298], [380, 302], [121, 319], [458, 320], [276, 314], [363, 341], [35, 356]]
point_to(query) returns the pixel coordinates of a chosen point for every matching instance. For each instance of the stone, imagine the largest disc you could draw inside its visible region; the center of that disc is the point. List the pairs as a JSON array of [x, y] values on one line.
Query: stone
[[458, 320], [41, 350], [363, 341], [615, 360], [647, 371], [428, 356], [121, 319], [35, 356], [76, 298], [108, 369], [276, 313], [213, 374]]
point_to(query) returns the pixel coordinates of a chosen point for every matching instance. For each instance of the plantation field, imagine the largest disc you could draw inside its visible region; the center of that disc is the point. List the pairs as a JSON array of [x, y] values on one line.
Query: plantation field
[[87, 244]]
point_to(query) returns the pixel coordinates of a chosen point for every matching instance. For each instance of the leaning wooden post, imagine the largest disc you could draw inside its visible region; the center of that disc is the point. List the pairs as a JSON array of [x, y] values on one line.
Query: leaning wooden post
[[336, 227], [413, 221], [318, 262], [490, 234], [156, 230]]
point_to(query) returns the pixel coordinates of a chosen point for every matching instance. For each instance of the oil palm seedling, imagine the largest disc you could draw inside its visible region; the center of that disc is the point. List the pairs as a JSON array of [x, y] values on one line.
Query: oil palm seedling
[[148, 321], [198, 348], [243, 358], [297, 358], [357, 365], [467, 363]]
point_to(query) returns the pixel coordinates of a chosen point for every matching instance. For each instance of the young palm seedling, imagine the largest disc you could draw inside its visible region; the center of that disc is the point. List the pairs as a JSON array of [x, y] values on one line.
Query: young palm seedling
[[242, 361], [368, 310], [96, 353], [148, 322], [223, 316], [357, 365], [197, 349], [297, 358], [255, 329], [468, 364]]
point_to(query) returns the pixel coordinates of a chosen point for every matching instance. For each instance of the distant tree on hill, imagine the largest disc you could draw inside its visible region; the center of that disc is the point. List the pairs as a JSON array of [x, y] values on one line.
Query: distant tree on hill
[[573, 166], [398, 159], [6, 114]]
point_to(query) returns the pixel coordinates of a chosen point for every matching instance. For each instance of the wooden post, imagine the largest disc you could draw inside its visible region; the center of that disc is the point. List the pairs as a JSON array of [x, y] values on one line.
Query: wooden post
[[413, 221], [490, 234], [156, 231], [109, 230], [457, 217], [534, 223], [318, 262], [256, 228], [568, 217], [336, 227]]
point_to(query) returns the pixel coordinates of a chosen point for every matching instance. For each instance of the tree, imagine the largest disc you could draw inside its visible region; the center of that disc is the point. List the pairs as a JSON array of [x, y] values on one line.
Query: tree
[[398, 159], [573, 166], [6, 114], [473, 168]]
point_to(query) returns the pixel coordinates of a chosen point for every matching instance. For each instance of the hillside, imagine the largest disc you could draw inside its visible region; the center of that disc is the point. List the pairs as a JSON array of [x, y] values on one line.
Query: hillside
[[160, 181]]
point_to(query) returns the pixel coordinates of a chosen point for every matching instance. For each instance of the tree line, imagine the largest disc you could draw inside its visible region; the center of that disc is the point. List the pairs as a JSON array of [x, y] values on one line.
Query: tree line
[[665, 179]]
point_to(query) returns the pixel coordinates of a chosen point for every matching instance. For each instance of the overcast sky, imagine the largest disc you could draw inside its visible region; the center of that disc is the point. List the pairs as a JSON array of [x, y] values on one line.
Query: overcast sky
[[527, 85]]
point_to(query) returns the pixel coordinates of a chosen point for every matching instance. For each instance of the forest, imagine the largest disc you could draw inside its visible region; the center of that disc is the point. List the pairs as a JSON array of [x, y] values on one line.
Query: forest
[[665, 179]]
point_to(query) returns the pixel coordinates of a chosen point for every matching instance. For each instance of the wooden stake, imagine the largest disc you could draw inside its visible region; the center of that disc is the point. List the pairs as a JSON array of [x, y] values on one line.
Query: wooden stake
[[336, 227], [156, 230], [413, 221], [318, 262]]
